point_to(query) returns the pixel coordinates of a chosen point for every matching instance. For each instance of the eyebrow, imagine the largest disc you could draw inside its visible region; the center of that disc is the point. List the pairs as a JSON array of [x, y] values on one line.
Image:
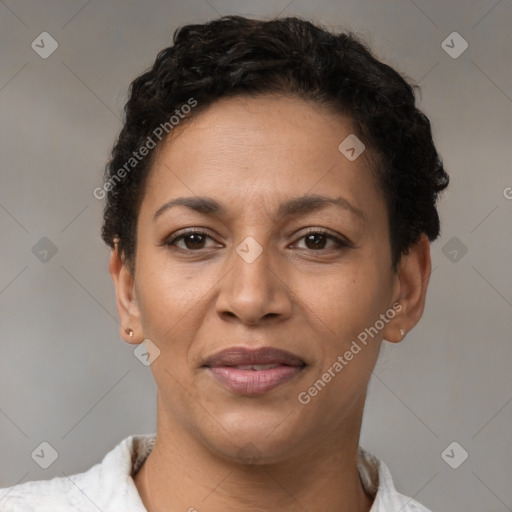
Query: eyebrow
[[296, 206]]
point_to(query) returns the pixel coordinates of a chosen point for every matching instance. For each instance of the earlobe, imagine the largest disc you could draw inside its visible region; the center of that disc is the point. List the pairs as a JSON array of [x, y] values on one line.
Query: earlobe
[[127, 305], [413, 276], [394, 331]]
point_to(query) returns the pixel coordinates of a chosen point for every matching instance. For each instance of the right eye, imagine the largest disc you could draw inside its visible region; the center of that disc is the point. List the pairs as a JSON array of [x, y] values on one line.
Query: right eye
[[192, 240]]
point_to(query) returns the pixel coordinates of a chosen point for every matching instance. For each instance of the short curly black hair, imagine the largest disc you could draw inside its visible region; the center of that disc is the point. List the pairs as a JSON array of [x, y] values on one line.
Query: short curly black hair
[[237, 56]]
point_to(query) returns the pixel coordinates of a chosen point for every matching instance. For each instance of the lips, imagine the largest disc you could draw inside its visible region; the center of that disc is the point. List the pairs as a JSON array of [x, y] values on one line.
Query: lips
[[240, 356], [253, 371]]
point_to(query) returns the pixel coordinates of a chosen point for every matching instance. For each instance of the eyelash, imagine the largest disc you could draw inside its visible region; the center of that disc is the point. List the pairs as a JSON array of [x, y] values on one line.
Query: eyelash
[[341, 244]]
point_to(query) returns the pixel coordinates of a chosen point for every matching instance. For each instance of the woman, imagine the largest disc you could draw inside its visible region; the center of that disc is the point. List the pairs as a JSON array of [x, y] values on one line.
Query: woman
[[270, 202]]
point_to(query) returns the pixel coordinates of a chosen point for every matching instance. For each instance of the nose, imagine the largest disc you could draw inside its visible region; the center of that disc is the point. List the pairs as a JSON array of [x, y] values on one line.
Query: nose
[[255, 291]]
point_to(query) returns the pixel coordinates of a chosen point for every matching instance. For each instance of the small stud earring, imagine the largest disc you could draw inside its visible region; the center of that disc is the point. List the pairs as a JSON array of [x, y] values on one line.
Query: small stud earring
[[402, 333], [129, 332]]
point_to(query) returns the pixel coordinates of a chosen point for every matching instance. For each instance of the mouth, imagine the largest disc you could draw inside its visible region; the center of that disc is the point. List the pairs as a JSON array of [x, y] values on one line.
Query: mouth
[[254, 371]]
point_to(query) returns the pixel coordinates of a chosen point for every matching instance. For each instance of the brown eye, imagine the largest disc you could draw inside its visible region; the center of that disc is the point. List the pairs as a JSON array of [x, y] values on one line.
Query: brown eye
[[319, 240], [189, 241], [315, 241], [194, 241]]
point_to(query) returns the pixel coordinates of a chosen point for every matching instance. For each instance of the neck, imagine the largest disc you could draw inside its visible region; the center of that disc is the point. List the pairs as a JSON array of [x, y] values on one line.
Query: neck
[[182, 474]]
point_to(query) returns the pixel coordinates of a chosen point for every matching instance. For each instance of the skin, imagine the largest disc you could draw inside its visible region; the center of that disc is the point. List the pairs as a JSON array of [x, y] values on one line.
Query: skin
[[251, 155]]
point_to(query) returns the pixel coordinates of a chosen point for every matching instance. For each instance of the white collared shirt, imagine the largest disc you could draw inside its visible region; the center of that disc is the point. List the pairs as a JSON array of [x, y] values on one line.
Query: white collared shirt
[[109, 487]]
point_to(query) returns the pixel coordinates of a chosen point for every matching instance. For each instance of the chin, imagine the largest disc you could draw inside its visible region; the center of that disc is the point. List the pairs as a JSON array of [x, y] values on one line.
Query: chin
[[252, 452], [255, 440]]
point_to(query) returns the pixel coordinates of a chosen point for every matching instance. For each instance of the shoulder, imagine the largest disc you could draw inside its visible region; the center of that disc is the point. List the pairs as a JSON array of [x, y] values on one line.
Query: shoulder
[[59, 493], [105, 485], [377, 481]]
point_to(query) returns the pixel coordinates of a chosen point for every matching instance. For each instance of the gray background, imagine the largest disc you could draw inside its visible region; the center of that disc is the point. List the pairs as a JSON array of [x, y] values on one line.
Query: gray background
[[67, 378]]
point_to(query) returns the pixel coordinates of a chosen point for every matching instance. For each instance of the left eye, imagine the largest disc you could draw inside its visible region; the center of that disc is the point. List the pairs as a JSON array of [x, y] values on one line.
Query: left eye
[[317, 240]]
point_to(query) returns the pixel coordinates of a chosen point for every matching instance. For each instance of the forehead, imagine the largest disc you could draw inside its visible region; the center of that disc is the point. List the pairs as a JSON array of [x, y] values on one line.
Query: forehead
[[250, 151]]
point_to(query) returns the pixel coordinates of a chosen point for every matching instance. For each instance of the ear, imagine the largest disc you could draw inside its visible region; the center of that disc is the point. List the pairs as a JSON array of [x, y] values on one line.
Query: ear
[[127, 305], [411, 283]]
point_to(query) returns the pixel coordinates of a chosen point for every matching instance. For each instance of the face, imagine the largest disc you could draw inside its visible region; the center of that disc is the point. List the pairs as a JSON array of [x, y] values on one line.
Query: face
[[284, 264]]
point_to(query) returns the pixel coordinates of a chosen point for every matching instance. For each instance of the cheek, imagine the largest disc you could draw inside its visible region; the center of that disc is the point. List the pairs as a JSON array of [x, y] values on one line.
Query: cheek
[[346, 308], [347, 299], [171, 302], [162, 298]]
